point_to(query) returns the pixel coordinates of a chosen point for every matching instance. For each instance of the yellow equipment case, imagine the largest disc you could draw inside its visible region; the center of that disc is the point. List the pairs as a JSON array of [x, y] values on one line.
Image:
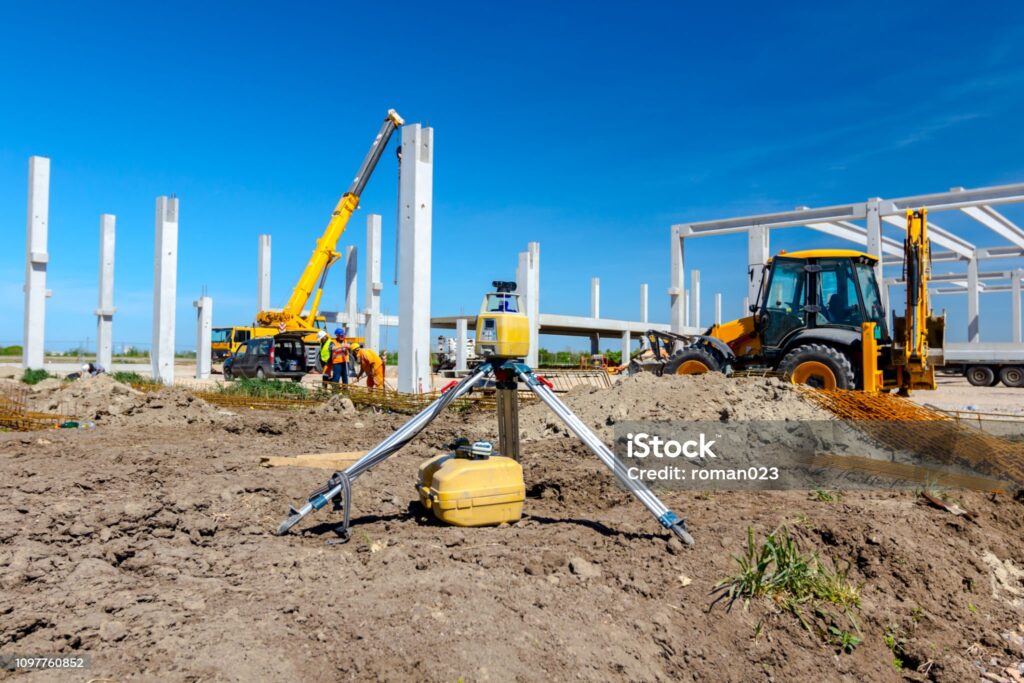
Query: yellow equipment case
[[471, 487]]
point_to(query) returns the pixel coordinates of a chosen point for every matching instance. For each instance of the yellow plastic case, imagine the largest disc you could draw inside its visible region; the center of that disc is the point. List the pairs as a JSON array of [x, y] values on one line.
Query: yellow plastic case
[[466, 492]]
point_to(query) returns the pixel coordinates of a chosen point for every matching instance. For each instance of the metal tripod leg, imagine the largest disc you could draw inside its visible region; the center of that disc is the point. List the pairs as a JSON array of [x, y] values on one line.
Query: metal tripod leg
[[342, 481], [665, 517], [508, 418]]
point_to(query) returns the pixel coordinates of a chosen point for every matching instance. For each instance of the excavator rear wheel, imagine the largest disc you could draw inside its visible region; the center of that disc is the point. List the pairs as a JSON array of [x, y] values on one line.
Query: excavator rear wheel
[[818, 366], [691, 361]]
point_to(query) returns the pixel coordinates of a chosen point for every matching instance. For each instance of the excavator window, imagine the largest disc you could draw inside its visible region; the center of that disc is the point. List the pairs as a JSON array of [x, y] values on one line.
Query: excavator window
[[872, 299], [838, 302], [784, 300]]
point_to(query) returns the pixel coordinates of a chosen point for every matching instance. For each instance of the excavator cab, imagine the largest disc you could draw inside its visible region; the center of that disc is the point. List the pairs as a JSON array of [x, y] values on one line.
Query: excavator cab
[[831, 289]]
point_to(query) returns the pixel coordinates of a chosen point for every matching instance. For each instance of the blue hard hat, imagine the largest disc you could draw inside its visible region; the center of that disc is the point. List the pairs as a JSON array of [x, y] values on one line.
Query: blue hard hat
[[338, 330]]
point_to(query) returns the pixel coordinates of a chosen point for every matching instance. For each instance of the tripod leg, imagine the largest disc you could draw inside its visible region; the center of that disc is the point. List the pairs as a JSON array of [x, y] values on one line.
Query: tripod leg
[[341, 480], [665, 517]]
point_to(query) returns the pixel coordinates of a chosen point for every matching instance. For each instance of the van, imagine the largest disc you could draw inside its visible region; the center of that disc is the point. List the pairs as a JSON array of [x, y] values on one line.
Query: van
[[283, 356]]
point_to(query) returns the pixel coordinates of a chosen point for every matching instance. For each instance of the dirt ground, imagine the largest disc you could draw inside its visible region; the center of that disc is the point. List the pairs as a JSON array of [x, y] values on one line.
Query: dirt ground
[[148, 543]]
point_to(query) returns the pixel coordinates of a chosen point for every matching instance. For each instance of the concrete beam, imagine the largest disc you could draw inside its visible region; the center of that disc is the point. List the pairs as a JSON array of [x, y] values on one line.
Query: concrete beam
[[528, 286], [695, 298], [1015, 303], [36, 259], [937, 235], [204, 330], [165, 289], [416, 203], [105, 306], [374, 286], [352, 290], [461, 338], [757, 256], [263, 274], [643, 302], [973, 290], [595, 297], [997, 223]]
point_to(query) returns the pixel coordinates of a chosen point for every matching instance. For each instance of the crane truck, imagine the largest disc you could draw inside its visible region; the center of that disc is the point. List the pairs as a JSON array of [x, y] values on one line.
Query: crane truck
[[294, 317], [819, 320]]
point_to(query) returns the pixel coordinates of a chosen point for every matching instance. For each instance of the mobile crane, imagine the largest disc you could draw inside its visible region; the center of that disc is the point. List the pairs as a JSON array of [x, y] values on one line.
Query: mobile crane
[[819, 321], [311, 282]]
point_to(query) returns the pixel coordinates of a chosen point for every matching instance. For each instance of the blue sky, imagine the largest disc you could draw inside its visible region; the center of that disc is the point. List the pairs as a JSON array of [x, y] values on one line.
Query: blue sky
[[590, 127]]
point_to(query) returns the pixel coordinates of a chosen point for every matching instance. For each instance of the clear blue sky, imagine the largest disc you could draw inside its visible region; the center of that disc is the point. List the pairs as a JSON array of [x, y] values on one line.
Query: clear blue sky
[[591, 127]]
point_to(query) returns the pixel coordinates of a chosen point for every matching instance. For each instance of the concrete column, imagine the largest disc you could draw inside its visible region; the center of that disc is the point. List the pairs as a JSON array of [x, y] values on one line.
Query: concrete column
[[460, 344], [351, 291], [263, 274], [105, 307], [595, 297], [746, 307], [374, 285], [36, 258], [533, 303], [677, 281], [595, 344], [204, 328], [165, 288], [686, 309], [757, 257], [973, 301], [718, 308], [695, 298], [1015, 299], [625, 348], [415, 204], [874, 246], [643, 302]]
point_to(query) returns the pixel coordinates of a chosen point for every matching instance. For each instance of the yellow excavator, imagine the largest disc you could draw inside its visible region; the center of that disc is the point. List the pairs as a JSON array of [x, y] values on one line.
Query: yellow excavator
[[294, 317], [819, 320]]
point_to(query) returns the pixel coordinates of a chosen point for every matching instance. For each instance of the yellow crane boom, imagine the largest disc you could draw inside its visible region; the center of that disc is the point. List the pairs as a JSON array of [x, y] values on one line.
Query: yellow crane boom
[[325, 254]]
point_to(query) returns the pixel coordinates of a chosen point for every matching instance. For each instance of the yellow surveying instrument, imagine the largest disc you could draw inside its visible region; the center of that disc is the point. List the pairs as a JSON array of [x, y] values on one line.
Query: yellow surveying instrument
[[474, 486]]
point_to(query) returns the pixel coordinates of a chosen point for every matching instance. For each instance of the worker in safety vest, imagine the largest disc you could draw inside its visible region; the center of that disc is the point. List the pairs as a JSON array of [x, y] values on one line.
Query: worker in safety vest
[[339, 357], [371, 365], [326, 352]]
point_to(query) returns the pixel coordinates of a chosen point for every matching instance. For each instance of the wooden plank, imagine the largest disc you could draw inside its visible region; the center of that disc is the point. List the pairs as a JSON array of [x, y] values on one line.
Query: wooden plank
[[324, 461]]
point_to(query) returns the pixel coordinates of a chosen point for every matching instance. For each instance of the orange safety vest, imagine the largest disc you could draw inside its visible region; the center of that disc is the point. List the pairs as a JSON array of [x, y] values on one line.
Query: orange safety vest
[[339, 354]]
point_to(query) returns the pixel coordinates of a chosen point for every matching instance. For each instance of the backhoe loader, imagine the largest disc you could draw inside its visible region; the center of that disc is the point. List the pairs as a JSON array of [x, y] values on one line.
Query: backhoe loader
[[819, 321]]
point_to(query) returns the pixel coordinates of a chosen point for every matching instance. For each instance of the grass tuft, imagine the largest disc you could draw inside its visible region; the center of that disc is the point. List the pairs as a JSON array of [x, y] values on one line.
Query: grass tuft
[[134, 379], [801, 583], [264, 388], [31, 376]]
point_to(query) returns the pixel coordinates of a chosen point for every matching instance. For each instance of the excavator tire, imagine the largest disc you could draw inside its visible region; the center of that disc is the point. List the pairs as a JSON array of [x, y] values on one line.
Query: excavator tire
[[691, 361], [818, 366]]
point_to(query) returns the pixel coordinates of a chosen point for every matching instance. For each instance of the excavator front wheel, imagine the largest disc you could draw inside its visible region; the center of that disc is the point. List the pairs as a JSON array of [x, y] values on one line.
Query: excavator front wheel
[[818, 366], [691, 361]]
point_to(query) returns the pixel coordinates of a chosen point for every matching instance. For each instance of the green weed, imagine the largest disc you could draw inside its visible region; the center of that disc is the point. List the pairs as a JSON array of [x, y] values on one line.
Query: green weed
[[31, 376], [264, 388]]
